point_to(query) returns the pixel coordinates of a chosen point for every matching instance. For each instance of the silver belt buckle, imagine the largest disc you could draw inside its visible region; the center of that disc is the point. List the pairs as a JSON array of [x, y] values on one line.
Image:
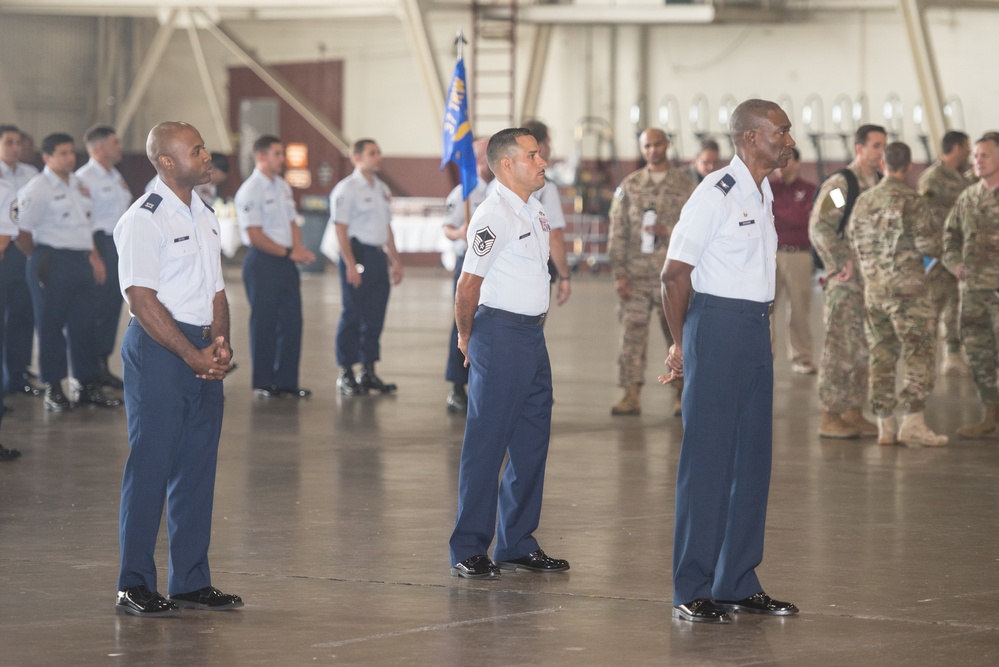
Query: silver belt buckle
[[206, 332]]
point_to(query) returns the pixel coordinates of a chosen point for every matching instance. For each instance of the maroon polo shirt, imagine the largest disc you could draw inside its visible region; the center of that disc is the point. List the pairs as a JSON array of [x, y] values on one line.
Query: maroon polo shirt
[[792, 204]]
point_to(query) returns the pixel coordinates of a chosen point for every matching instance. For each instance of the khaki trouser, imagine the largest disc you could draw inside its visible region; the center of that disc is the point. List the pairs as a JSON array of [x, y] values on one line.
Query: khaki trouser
[[794, 276]]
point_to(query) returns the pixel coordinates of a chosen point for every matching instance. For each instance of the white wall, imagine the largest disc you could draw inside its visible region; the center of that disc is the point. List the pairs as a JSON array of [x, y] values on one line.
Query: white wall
[[47, 66]]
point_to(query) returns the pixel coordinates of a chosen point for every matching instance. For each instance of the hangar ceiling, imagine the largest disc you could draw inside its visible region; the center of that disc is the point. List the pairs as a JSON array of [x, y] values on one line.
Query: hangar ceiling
[[212, 17]]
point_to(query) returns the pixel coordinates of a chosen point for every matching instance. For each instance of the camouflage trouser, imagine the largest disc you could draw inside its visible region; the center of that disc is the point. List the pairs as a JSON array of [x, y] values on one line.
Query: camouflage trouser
[[646, 296], [906, 328], [944, 293], [843, 369], [979, 323]]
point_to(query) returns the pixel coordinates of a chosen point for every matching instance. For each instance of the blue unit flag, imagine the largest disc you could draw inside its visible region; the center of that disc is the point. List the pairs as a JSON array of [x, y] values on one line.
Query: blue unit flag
[[457, 131]]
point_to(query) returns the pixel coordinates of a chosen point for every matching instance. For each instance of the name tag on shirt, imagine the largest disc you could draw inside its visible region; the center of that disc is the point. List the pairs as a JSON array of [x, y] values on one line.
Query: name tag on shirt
[[743, 223], [181, 238], [523, 236]]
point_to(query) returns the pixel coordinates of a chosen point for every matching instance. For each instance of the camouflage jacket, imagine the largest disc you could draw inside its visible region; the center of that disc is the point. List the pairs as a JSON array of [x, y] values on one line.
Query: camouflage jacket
[[823, 223], [891, 230], [971, 237], [940, 185], [637, 193]]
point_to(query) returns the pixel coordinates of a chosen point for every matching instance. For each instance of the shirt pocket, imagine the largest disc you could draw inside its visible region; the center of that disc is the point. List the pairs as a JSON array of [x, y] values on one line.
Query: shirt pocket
[[747, 229], [182, 246]]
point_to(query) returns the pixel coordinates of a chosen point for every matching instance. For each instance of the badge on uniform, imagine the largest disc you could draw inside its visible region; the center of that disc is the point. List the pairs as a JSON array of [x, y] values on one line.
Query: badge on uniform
[[726, 183], [484, 239], [544, 222]]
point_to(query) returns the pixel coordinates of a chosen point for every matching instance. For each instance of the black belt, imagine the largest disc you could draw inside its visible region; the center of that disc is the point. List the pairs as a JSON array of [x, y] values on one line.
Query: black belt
[[738, 305], [513, 317]]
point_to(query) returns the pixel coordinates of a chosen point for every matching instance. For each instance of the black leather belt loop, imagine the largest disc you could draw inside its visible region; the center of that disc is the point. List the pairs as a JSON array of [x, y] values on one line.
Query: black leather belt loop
[[513, 317]]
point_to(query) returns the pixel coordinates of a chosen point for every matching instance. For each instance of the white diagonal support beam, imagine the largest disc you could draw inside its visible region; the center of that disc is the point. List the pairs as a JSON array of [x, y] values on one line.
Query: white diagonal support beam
[[926, 68], [280, 85], [146, 73], [221, 127], [419, 39], [536, 71]]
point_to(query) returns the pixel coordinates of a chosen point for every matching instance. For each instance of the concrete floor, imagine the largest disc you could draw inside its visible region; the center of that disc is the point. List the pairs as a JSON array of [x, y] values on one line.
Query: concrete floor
[[332, 517]]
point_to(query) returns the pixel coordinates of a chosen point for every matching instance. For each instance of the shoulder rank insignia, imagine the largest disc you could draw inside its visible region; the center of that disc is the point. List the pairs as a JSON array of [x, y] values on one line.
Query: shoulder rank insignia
[[484, 239], [726, 183], [152, 202]]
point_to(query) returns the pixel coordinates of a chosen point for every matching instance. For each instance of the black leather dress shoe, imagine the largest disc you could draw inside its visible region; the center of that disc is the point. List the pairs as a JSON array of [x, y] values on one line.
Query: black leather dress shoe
[[296, 392], [26, 384], [536, 562], [106, 379], [92, 394], [209, 598], [761, 603], [55, 400], [701, 611], [371, 382], [457, 400], [476, 567], [347, 383], [140, 601], [267, 392], [9, 454]]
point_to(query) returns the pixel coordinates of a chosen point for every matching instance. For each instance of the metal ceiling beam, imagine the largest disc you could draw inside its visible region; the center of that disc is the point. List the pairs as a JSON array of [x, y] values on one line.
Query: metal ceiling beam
[[221, 126], [537, 62], [414, 21], [925, 62], [147, 71], [280, 85]]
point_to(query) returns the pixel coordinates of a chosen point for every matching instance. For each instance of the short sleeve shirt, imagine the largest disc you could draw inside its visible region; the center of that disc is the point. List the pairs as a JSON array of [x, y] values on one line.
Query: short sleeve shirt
[[268, 204], [363, 207], [19, 175], [455, 214], [726, 232], [551, 201], [55, 212], [174, 249], [108, 192], [8, 208], [508, 247]]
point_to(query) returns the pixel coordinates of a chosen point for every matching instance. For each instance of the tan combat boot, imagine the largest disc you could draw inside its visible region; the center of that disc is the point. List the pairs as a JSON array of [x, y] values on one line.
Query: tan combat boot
[[983, 428], [630, 403], [887, 430], [854, 417], [954, 365], [832, 426], [914, 431]]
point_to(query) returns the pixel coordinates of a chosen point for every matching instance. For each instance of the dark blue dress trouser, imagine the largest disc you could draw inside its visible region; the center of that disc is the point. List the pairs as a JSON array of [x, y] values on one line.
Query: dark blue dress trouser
[[723, 478], [8, 278], [64, 308], [18, 320], [174, 424], [273, 288], [363, 315], [107, 310], [456, 373], [509, 413]]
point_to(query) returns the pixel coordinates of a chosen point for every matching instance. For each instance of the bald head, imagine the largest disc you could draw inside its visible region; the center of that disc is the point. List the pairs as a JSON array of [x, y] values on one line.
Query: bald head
[[750, 115], [178, 152], [163, 141]]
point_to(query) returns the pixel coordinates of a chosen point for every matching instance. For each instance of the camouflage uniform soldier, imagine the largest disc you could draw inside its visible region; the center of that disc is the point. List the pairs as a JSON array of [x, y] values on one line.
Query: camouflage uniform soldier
[[843, 368], [646, 206], [940, 185], [891, 230], [971, 249]]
